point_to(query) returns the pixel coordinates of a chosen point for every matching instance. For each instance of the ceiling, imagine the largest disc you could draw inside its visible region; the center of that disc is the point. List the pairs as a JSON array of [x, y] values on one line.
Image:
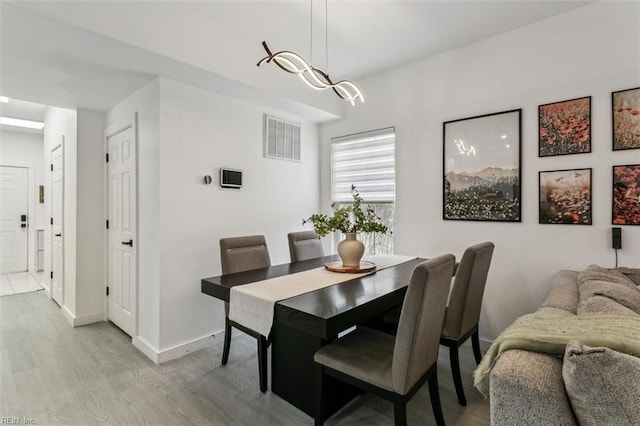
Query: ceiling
[[24, 110], [92, 54]]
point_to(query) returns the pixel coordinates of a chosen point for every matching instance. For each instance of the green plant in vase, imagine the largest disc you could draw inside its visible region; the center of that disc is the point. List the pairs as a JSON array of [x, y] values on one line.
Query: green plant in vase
[[349, 219]]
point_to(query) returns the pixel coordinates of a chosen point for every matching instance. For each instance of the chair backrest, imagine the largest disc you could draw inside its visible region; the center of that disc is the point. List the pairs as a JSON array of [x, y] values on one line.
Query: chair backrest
[[463, 312], [304, 245], [240, 254], [418, 336]]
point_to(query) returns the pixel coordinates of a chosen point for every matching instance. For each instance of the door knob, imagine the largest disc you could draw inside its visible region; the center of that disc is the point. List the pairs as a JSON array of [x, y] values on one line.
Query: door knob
[[57, 235], [128, 243]]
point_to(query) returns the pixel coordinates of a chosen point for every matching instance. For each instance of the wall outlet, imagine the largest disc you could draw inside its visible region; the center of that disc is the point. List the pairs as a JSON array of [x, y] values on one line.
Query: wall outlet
[[616, 238]]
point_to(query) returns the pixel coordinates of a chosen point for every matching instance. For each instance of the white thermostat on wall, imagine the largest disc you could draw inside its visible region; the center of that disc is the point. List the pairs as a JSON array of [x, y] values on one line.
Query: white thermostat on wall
[[230, 178]]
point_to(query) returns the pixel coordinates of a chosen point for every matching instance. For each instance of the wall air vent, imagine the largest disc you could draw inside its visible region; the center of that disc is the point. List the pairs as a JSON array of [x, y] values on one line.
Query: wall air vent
[[281, 139]]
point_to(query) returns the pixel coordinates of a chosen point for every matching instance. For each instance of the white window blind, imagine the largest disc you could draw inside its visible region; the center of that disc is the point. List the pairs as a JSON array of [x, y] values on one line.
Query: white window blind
[[281, 139], [366, 160]]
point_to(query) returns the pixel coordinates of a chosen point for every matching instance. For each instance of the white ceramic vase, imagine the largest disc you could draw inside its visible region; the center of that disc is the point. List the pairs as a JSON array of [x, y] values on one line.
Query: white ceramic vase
[[350, 250]]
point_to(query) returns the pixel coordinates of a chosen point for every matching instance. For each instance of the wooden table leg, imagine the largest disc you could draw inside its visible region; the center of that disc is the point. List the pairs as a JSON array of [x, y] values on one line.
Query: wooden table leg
[[294, 374]]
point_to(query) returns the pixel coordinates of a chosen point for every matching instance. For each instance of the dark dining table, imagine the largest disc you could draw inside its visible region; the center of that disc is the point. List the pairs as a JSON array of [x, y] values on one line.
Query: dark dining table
[[304, 323]]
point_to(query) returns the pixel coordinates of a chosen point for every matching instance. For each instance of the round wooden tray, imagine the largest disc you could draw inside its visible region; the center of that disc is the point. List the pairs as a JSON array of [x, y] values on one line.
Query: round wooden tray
[[337, 266]]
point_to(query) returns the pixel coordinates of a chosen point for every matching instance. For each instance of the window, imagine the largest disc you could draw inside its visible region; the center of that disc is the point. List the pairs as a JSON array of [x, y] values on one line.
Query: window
[[367, 161]]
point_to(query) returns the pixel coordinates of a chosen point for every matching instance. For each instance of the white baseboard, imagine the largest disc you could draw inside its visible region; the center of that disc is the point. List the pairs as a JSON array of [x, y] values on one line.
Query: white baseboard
[[186, 348], [146, 348], [177, 351], [82, 320], [486, 341], [89, 319], [68, 315]]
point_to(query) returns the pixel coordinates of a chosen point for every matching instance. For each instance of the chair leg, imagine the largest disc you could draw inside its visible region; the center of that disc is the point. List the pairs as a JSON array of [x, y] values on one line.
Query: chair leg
[[475, 341], [434, 394], [262, 362], [319, 401], [455, 372], [400, 413], [227, 335]]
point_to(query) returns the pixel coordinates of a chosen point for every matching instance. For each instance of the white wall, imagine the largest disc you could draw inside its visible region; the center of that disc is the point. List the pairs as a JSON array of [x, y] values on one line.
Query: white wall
[[200, 132], [83, 224], [185, 133], [26, 150], [90, 246], [591, 51], [62, 123]]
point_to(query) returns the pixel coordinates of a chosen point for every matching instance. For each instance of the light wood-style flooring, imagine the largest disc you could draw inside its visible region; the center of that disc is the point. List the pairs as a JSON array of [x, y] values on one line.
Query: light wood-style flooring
[[51, 373]]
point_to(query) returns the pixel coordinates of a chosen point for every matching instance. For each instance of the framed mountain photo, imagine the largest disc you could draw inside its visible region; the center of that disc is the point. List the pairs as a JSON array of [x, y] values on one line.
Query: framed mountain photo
[[481, 167]]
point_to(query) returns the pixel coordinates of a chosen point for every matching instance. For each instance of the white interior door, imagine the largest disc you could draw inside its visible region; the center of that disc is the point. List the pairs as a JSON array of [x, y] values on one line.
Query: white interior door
[[13, 218], [121, 205], [57, 220]]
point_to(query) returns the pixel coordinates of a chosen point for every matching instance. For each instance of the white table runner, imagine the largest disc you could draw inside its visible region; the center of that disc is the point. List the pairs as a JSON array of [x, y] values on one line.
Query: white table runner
[[252, 305]]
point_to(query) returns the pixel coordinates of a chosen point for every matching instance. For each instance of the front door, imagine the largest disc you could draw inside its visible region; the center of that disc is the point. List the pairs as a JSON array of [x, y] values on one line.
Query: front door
[[122, 244], [13, 218], [57, 220]]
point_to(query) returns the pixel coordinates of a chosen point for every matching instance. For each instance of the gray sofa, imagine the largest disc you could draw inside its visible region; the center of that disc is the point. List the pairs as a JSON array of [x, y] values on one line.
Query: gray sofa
[[527, 388]]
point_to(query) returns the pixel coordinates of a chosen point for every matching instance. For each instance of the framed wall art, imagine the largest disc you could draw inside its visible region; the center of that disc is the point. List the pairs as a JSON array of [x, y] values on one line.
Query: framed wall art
[[625, 114], [481, 167], [565, 197], [564, 127], [626, 195]]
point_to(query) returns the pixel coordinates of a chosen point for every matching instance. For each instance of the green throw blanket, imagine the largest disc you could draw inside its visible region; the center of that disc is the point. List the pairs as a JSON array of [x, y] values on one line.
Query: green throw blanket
[[550, 334]]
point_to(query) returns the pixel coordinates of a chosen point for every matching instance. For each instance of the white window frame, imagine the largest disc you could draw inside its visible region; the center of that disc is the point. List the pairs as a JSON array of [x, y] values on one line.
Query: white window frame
[[368, 162]]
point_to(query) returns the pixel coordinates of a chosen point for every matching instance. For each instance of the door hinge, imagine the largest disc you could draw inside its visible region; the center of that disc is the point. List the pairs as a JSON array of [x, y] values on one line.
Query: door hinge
[[107, 290], [52, 221], [51, 274], [107, 224], [107, 156]]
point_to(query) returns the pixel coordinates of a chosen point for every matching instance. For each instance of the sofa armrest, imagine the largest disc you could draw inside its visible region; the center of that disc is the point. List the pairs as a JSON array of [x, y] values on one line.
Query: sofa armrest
[[527, 389]]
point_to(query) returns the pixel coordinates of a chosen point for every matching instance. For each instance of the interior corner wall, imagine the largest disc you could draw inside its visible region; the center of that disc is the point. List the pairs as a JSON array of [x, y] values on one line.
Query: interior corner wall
[[143, 106], [591, 51], [26, 150], [90, 244], [61, 123], [200, 132]]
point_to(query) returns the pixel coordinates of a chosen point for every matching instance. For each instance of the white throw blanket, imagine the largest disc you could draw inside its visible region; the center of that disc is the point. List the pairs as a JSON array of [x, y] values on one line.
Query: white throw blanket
[[252, 305]]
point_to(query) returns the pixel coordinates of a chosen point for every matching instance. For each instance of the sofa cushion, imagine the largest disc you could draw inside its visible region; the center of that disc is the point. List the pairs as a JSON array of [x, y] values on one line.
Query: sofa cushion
[[632, 273], [603, 385], [621, 293], [602, 305], [598, 273]]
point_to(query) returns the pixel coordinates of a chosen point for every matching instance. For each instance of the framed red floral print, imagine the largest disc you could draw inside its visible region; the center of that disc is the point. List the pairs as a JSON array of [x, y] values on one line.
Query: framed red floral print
[[564, 127]]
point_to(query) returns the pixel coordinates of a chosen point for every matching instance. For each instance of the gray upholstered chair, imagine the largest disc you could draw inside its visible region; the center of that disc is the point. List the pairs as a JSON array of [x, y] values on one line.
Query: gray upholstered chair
[[396, 367], [304, 245], [463, 311], [241, 254]]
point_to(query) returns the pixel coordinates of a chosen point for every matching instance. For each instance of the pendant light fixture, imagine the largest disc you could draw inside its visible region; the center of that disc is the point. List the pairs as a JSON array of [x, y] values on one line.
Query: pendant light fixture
[[315, 78]]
